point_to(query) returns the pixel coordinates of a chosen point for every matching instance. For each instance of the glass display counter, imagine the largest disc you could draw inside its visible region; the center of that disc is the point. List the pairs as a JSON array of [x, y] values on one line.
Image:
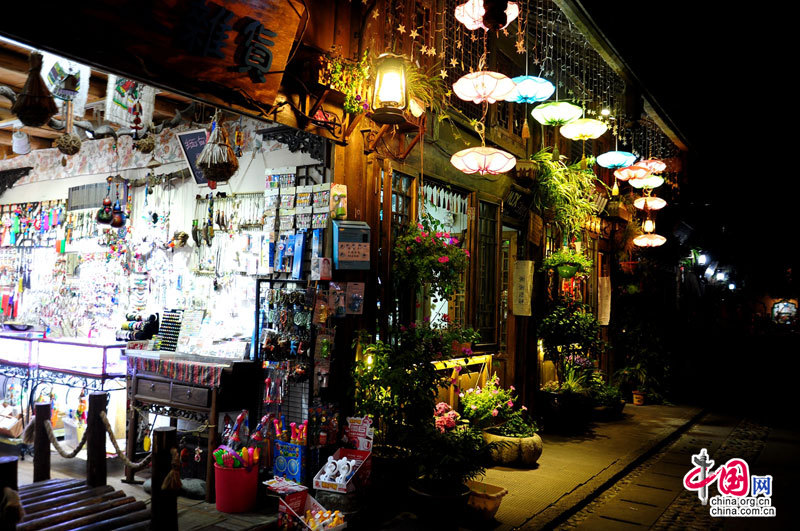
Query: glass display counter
[[17, 348], [82, 357]]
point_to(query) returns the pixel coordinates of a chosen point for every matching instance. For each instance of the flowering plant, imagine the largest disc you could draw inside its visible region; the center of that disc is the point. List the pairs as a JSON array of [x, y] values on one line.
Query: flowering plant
[[445, 417], [493, 408], [570, 335], [425, 253]]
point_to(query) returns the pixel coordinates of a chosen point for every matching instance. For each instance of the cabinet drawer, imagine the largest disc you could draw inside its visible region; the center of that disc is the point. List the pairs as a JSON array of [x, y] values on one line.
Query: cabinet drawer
[[152, 389], [195, 396]]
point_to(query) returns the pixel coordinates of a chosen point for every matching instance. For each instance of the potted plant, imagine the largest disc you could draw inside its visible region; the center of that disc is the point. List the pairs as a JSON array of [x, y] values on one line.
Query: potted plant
[[570, 339], [567, 262], [636, 378], [424, 253], [446, 338], [495, 411], [607, 398], [455, 453]]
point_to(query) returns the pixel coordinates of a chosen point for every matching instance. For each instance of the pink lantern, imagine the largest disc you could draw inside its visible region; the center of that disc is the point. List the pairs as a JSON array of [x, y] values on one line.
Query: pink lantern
[[649, 203], [654, 165], [471, 14], [649, 240], [632, 172], [483, 86], [483, 160]]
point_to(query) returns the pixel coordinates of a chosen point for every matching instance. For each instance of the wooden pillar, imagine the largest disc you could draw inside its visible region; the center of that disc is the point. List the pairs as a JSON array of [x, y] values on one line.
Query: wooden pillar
[[130, 447], [8, 472], [41, 444], [164, 504], [96, 472]]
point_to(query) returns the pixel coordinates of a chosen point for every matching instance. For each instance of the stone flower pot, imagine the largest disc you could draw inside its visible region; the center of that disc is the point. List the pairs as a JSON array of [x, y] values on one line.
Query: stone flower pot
[[521, 451]]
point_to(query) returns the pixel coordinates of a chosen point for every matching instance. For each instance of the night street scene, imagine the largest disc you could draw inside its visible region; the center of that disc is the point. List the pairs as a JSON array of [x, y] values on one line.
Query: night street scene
[[398, 265]]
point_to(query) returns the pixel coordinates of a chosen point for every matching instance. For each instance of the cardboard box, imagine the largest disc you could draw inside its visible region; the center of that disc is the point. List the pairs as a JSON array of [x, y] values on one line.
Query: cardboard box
[[360, 457], [293, 519], [292, 494]]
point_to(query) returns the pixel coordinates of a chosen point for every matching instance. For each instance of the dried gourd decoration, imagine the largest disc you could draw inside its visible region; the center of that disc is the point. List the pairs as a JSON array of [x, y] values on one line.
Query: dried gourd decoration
[[217, 160], [68, 143], [105, 214], [146, 144], [35, 105]]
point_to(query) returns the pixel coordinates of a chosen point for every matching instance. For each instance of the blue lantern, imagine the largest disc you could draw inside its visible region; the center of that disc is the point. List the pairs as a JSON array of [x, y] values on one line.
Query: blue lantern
[[616, 159], [530, 89]]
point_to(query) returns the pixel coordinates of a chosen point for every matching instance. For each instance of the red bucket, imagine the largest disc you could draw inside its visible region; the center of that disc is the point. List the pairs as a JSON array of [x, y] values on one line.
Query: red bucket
[[236, 488]]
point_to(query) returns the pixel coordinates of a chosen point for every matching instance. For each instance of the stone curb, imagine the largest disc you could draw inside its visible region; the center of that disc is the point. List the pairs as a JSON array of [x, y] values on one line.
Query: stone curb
[[561, 510]]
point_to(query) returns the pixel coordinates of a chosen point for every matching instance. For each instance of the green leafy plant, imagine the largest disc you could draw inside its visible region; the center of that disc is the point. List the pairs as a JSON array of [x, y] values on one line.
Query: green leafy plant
[[439, 338], [425, 253], [604, 394], [348, 77], [496, 409], [517, 425], [566, 256], [397, 385], [427, 86], [569, 332], [568, 190]]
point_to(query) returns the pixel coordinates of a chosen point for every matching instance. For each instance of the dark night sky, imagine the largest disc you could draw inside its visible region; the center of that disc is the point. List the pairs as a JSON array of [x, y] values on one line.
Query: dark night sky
[[713, 67]]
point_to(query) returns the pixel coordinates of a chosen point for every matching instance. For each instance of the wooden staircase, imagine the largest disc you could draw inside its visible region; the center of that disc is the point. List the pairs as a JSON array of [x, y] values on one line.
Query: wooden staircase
[[70, 504]]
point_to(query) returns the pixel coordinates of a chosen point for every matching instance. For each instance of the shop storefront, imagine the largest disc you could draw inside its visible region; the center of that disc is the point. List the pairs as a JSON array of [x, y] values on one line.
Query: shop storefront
[[249, 208]]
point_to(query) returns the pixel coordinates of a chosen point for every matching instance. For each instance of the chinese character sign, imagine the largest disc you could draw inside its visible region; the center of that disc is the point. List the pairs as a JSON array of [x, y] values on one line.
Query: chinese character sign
[[522, 287]]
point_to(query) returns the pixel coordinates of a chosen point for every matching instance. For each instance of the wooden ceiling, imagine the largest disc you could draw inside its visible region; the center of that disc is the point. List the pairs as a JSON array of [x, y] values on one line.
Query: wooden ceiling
[[14, 72]]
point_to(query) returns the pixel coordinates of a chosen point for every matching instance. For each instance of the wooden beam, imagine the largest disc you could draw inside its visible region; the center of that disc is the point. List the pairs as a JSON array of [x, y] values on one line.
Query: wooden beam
[[36, 142]]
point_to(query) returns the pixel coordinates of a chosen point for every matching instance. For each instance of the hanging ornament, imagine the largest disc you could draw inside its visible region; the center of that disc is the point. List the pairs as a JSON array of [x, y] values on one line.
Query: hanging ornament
[[556, 113], [483, 160], [69, 143], [136, 125], [217, 160], [483, 86], [35, 105], [616, 159], [631, 172], [473, 14], [654, 165], [104, 215], [649, 240], [649, 203], [530, 89], [583, 129], [117, 216], [649, 182]]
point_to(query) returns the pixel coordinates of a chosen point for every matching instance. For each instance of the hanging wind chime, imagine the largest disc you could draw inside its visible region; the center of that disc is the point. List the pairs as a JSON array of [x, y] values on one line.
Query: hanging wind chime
[[69, 143]]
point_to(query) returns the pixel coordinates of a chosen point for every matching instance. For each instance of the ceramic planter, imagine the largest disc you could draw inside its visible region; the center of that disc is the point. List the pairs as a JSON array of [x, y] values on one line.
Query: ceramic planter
[[485, 499], [638, 398], [522, 451], [567, 270]]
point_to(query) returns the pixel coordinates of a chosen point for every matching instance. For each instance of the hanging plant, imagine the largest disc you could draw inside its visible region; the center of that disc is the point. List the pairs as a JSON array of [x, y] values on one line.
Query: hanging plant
[[348, 77], [425, 254], [145, 145], [68, 143], [426, 86], [567, 262], [569, 191]]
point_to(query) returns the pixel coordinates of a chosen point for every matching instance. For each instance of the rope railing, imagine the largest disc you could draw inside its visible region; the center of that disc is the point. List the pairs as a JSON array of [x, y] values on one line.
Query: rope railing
[[69, 455]]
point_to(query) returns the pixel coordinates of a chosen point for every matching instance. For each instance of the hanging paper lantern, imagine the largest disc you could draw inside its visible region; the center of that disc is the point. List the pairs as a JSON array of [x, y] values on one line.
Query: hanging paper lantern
[[484, 86], [584, 129], [654, 165], [556, 113], [616, 159], [632, 172], [649, 203], [483, 160], [530, 89], [471, 14], [649, 240], [651, 181], [649, 226]]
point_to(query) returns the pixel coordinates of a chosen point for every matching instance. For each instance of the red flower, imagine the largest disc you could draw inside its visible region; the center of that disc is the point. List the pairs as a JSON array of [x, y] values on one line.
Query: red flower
[[418, 239], [466, 252], [444, 259]]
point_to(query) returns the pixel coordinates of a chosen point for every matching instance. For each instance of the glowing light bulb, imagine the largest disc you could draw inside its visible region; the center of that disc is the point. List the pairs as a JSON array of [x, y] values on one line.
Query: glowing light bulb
[[605, 112], [702, 259], [649, 226], [615, 189]]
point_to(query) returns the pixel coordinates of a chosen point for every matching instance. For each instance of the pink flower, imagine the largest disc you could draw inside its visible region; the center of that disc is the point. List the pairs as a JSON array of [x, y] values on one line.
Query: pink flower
[[419, 226], [453, 381], [524, 408], [424, 234], [444, 259], [473, 407], [460, 395], [444, 242], [495, 412], [454, 241], [408, 248], [511, 388], [418, 239], [446, 234], [495, 392], [438, 234], [402, 328], [412, 325], [458, 368], [466, 252], [510, 403]]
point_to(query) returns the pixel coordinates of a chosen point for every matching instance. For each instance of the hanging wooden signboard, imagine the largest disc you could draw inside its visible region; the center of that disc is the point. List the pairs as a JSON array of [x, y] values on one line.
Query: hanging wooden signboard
[[522, 287], [229, 53]]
